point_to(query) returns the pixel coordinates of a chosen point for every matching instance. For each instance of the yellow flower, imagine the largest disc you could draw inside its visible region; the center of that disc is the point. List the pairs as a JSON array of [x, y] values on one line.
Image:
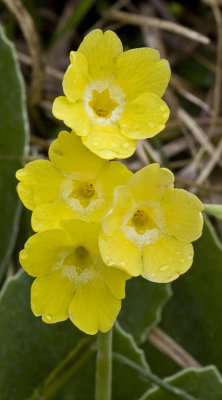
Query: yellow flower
[[113, 97], [150, 226], [74, 184], [71, 279]]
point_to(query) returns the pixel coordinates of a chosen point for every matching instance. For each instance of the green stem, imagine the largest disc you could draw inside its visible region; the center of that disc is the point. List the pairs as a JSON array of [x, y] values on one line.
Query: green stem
[[178, 392], [104, 366], [64, 371]]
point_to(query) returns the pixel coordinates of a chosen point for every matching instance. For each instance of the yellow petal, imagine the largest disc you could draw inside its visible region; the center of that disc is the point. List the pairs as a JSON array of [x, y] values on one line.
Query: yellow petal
[[116, 281], [82, 233], [94, 308], [151, 183], [113, 219], [107, 142], [101, 50], [40, 182], [141, 70], [117, 250], [182, 214], [113, 174], [51, 295], [42, 252], [48, 215], [144, 117], [68, 154], [166, 259], [75, 77], [73, 115]]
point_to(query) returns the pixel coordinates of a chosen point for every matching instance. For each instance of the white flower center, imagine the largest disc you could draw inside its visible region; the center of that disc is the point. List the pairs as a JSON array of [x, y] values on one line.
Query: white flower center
[[103, 102], [143, 223]]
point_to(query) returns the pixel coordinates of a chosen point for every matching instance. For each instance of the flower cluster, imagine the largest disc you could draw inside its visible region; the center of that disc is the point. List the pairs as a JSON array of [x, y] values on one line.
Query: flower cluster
[[97, 223]]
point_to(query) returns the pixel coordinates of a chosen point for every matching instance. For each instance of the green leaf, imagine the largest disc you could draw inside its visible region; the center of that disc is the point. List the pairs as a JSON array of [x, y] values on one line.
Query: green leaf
[[79, 13], [13, 137], [192, 317], [214, 209], [142, 306], [126, 383], [202, 384], [30, 350]]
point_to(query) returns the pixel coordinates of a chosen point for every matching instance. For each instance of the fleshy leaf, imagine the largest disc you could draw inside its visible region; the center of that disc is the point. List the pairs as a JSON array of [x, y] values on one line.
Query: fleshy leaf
[[142, 307], [214, 209], [36, 348], [13, 137], [202, 384], [192, 316]]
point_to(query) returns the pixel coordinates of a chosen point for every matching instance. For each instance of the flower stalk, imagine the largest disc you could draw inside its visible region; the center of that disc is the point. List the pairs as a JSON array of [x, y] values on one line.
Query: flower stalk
[[104, 366]]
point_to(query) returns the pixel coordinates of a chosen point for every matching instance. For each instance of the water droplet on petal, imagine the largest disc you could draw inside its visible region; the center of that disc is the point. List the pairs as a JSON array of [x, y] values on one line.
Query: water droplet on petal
[[174, 276], [163, 108], [164, 267], [48, 317], [165, 115], [95, 144], [122, 264]]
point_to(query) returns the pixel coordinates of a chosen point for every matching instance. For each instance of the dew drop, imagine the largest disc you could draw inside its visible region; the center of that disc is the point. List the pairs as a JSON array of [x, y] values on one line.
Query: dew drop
[[122, 264], [163, 108], [174, 276], [23, 256], [164, 267], [48, 317], [165, 115]]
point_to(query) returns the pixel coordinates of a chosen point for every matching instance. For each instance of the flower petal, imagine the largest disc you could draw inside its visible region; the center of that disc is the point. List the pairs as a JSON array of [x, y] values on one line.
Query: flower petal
[[75, 77], [40, 182], [51, 295], [113, 174], [94, 307], [117, 250], [101, 50], [82, 233], [143, 117], [68, 154], [107, 142], [166, 259], [182, 214], [116, 281], [48, 215], [73, 115], [141, 70], [42, 252], [113, 219], [151, 183]]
